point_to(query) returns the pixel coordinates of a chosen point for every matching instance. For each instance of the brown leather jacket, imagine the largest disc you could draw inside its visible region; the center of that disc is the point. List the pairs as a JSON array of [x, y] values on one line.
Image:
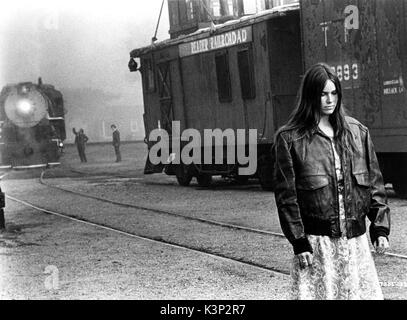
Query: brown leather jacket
[[306, 188]]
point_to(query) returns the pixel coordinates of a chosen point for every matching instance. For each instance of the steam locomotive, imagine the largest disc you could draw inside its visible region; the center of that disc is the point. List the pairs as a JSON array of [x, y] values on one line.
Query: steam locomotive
[[32, 125]]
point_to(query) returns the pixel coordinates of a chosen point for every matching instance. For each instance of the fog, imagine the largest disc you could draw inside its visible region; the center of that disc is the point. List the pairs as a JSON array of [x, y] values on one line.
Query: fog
[[82, 48]]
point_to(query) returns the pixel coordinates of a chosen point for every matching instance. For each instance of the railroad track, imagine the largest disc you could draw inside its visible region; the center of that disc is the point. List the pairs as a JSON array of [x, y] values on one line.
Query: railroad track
[[128, 205], [206, 221], [151, 239]]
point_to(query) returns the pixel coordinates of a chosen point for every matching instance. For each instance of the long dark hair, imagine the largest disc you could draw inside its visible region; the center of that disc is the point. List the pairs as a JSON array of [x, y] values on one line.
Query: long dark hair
[[305, 117]]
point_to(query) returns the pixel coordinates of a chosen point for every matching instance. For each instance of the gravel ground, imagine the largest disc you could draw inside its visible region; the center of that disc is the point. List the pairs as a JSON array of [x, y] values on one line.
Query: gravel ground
[[97, 264], [243, 205]]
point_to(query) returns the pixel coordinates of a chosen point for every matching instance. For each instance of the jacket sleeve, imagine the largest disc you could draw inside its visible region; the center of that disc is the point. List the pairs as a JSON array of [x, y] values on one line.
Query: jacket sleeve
[[286, 197], [379, 213]]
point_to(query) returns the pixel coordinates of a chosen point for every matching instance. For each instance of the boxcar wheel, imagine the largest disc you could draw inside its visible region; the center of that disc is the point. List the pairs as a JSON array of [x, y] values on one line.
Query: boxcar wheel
[[204, 179], [183, 176]]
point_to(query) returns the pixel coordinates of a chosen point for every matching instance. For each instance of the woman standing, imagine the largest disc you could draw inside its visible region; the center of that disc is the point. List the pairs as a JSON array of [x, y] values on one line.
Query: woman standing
[[327, 181]]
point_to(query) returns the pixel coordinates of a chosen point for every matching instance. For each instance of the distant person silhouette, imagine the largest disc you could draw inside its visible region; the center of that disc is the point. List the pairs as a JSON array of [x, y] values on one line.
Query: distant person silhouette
[[80, 141], [116, 142]]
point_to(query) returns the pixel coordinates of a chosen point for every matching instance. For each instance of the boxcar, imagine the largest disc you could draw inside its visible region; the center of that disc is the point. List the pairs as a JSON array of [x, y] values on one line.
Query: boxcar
[[216, 78], [365, 41]]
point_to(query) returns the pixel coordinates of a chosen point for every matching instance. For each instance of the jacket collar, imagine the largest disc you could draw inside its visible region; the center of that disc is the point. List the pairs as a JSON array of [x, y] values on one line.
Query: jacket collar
[[317, 130]]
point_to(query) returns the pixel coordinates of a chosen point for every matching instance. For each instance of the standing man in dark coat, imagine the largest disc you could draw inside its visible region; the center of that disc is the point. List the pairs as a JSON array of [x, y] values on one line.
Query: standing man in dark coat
[[116, 142], [80, 141]]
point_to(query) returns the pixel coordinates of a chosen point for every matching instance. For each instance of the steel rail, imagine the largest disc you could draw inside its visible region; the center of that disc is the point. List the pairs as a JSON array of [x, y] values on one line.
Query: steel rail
[[161, 241], [207, 221]]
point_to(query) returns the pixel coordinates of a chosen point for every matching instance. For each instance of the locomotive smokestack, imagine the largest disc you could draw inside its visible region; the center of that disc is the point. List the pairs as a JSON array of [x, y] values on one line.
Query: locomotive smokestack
[[39, 81]]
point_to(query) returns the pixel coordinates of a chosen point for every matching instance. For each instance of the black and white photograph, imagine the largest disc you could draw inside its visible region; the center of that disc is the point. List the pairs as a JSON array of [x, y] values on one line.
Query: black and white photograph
[[216, 151]]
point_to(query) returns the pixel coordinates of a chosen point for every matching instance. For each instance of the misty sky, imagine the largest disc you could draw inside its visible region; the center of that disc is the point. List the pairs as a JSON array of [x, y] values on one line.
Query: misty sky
[[81, 47]]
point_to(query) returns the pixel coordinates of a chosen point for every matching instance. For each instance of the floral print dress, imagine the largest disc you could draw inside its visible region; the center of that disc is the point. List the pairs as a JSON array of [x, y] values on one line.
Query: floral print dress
[[342, 268]]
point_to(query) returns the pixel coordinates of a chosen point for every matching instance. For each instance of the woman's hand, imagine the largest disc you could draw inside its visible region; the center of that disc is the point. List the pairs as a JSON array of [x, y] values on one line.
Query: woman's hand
[[305, 259], [381, 245]]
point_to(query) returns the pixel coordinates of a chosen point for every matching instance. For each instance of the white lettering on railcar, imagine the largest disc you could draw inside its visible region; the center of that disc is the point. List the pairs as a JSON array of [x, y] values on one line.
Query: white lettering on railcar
[[390, 82], [346, 72], [199, 46], [351, 21], [390, 91], [393, 86], [223, 40]]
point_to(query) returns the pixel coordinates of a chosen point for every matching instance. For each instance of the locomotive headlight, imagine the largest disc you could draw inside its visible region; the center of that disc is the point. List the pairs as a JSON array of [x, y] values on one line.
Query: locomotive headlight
[[24, 107], [24, 89]]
